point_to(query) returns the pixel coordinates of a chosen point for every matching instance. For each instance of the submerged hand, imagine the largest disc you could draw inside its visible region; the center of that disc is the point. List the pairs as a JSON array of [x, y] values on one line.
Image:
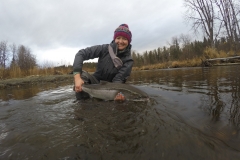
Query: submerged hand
[[119, 97], [78, 83]]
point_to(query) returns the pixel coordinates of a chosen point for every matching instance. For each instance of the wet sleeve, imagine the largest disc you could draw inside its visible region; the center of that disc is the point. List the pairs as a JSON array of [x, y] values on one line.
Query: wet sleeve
[[86, 54], [124, 72]]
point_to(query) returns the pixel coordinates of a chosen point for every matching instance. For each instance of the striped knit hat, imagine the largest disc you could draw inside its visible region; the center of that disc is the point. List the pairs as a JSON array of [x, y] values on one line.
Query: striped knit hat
[[124, 31]]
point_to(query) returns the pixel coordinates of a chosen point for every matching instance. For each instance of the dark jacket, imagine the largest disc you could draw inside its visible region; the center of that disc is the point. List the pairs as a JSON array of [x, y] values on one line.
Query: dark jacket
[[105, 68]]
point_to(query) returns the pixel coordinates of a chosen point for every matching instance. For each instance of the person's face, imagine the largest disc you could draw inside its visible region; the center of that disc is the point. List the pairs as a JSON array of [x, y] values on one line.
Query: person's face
[[122, 42]]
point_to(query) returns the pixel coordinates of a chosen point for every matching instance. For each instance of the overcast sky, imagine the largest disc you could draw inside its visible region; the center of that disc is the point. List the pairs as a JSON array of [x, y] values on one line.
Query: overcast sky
[[55, 30]]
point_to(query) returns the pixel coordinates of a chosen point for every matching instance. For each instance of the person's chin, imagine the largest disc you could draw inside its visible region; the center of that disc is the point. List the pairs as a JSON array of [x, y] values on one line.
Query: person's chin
[[121, 48]]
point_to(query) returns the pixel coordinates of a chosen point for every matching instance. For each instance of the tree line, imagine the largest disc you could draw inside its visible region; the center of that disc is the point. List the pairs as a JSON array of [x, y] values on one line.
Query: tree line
[[181, 49], [19, 61], [217, 20], [18, 56]]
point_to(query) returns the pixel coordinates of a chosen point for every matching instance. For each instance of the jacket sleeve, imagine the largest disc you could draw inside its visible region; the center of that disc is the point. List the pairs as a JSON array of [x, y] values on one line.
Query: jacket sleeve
[[86, 54], [124, 72]]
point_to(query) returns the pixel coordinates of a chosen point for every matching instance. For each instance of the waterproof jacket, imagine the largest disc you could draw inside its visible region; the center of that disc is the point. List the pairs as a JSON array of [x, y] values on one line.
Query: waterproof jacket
[[105, 68]]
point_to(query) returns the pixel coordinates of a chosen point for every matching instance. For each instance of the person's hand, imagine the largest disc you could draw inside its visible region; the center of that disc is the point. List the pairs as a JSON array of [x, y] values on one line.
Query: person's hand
[[119, 97], [78, 83]]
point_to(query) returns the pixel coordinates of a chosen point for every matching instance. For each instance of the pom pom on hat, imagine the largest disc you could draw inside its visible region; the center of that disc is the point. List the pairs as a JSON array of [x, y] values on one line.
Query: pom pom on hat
[[123, 31], [125, 25]]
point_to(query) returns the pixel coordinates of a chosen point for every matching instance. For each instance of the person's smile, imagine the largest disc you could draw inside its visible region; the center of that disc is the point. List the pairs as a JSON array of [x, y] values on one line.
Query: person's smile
[[122, 42]]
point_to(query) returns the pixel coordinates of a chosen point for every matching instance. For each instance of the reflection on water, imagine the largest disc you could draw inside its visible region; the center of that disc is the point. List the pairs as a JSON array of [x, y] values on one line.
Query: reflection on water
[[25, 91], [193, 113], [217, 87]]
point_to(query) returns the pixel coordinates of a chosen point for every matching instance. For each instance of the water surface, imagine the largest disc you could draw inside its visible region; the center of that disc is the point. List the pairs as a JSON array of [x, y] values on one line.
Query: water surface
[[193, 114]]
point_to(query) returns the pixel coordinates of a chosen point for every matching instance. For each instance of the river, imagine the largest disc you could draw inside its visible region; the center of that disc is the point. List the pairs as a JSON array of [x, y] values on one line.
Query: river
[[193, 113]]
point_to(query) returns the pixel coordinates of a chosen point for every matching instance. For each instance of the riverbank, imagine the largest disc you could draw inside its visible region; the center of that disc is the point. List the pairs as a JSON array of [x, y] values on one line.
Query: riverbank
[[196, 62], [68, 78], [36, 80]]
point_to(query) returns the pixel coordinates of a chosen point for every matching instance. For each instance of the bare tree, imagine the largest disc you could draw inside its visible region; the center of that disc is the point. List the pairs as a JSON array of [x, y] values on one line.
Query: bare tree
[[185, 39], [175, 50], [3, 54], [228, 15], [186, 46], [47, 64], [25, 59], [201, 12], [13, 50]]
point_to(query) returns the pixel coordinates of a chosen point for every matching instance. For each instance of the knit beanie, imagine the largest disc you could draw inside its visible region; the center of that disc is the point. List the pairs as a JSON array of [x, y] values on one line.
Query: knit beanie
[[124, 31]]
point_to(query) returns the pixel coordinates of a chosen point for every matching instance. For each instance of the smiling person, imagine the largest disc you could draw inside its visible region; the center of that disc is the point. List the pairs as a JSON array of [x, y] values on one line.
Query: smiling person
[[106, 69]]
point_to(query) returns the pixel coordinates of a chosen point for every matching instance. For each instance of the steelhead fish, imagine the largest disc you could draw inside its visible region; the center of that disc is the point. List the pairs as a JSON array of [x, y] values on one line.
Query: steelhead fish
[[108, 91]]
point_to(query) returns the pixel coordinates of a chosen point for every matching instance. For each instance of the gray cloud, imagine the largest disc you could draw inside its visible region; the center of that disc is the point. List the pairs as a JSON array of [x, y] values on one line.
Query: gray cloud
[[45, 25]]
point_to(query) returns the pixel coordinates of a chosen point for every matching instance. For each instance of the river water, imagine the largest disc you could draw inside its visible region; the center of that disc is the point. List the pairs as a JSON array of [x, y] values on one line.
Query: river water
[[193, 113]]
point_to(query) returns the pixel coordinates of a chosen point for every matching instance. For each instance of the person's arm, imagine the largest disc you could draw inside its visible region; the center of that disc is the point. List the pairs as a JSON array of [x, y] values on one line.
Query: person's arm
[[124, 72], [121, 77], [78, 82], [86, 54]]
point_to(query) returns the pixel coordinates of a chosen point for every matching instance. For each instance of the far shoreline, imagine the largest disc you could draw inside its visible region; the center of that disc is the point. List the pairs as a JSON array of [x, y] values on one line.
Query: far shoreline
[[34, 80]]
